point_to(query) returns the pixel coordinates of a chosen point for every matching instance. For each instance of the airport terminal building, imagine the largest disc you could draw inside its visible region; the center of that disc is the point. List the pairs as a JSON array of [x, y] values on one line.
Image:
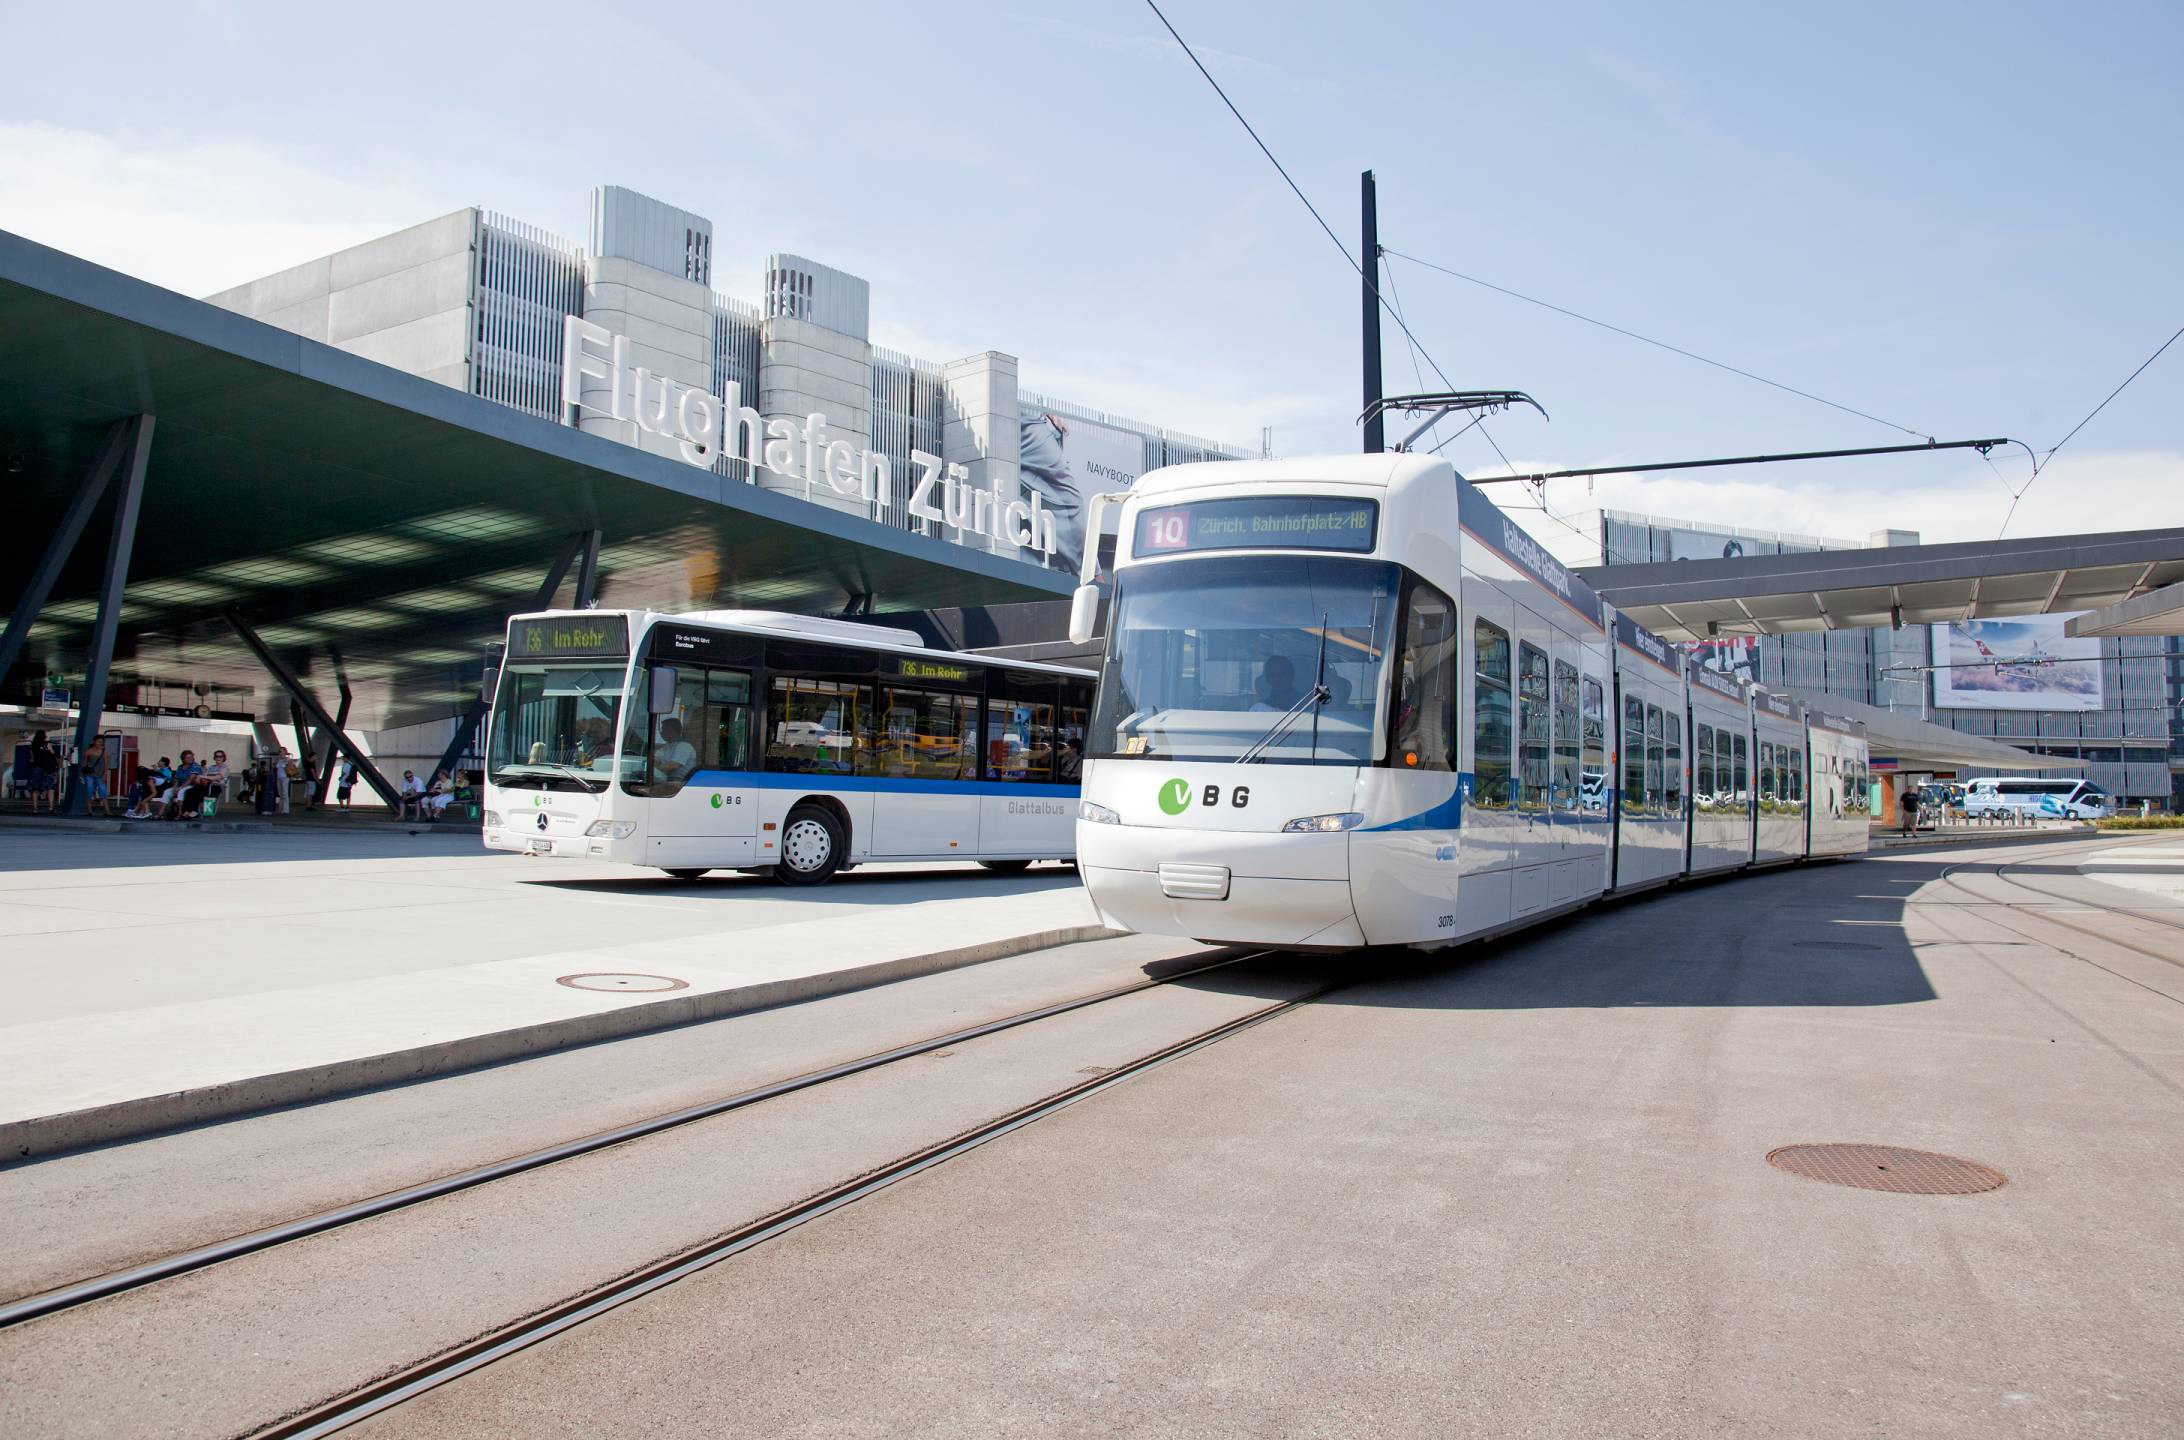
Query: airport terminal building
[[626, 336]]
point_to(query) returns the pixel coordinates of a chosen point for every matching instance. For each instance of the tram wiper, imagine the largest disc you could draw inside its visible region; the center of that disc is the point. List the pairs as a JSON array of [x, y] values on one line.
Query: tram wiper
[[1316, 698]]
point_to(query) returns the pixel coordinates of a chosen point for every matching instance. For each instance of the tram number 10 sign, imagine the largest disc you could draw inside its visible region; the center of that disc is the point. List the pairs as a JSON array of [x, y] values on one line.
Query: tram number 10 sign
[[1270, 522]]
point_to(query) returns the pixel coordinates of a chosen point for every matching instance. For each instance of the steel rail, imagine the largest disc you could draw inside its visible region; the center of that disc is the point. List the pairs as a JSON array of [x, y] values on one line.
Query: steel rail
[[1950, 875], [183, 1262], [404, 1385]]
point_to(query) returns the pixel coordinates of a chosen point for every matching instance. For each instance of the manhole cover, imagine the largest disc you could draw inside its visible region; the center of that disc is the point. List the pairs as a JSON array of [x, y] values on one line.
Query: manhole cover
[[1833, 945], [610, 980], [1886, 1167]]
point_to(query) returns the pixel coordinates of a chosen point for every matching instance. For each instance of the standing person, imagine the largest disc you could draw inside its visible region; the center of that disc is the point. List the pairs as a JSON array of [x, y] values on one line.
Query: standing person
[[45, 773], [346, 785], [1909, 806], [93, 769]]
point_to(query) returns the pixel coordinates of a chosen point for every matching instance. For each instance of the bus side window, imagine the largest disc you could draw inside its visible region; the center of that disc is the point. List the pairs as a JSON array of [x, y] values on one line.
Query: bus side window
[[728, 720], [1075, 722], [1020, 734]]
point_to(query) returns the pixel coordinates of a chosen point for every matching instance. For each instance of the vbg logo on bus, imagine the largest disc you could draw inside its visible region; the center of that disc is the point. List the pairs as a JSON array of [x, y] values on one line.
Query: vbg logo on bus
[[1175, 796]]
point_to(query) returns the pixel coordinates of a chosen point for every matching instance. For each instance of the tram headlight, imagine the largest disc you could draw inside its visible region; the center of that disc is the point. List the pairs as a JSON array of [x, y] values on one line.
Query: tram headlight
[[1097, 814], [612, 829], [1324, 824]]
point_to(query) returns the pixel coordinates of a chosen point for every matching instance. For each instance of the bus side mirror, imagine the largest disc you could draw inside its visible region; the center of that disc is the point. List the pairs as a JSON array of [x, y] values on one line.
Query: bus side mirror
[[663, 689], [1084, 614]]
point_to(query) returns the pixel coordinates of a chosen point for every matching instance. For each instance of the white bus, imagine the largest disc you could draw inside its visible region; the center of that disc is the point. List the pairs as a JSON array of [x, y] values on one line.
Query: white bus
[[775, 744], [2023, 796]]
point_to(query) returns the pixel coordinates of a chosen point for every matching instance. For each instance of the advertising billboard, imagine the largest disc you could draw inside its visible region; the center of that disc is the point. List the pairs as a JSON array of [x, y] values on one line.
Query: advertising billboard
[[2027, 664], [1734, 655], [1066, 460]]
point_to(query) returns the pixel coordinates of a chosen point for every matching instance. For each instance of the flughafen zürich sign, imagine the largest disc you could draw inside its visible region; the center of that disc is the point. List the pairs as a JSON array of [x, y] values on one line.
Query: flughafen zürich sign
[[703, 425]]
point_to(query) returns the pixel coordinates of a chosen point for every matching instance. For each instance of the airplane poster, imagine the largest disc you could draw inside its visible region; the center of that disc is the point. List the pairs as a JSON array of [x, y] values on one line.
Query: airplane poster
[[2027, 664]]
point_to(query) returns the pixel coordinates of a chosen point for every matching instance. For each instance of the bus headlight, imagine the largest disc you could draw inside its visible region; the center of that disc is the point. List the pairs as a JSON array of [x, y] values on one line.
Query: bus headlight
[[1097, 814], [1324, 824], [492, 820], [612, 829]]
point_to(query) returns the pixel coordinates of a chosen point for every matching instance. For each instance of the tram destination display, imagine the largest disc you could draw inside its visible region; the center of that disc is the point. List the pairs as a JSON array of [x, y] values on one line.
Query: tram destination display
[[1281, 522]]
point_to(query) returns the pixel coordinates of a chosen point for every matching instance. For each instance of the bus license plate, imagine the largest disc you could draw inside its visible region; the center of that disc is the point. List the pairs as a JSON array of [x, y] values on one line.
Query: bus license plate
[[543, 846]]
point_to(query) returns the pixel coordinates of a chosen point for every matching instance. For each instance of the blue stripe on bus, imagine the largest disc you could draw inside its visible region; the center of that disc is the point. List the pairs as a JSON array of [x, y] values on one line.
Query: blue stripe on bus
[[882, 784]]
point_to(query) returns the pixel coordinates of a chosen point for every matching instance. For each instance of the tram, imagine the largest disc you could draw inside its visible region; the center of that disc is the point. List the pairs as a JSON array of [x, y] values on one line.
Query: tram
[[1347, 702], [783, 745]]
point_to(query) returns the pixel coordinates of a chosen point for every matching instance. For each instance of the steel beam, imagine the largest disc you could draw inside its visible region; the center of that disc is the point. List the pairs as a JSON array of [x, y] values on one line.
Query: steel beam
[[584, 546], [62, 542], [326, 766], [302, 698], [587, 571], [137, 431]]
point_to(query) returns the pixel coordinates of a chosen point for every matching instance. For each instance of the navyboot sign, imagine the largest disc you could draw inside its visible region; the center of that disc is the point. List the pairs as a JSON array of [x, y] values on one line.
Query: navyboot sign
[[703, 425]]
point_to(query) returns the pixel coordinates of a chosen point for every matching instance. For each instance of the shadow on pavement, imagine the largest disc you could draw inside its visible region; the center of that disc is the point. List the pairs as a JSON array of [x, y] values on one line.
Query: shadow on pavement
[[1806, 936]]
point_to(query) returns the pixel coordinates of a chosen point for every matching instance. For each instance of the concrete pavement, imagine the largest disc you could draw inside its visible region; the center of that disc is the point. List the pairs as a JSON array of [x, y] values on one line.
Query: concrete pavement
[[163, 979]]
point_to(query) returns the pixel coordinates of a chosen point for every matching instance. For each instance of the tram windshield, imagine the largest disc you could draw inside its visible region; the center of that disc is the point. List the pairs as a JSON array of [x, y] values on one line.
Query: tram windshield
[[1205, 656], [554, 724]]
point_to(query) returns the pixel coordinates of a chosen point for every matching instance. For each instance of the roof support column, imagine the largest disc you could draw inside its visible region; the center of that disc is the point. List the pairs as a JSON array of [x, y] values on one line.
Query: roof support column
[[326, 750], [137, 431], [316, 711], [63, 540], [587, 571], [582, 546]]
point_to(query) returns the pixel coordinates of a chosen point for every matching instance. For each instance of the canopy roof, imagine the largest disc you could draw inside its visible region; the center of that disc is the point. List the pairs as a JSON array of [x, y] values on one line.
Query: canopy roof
[[1900, 584], [1916, 744], [370, 524], [2158, 612]]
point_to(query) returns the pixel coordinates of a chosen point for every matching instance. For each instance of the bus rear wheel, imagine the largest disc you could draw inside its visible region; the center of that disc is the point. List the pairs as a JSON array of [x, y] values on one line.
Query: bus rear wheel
[[811, 847], [1006, 867]]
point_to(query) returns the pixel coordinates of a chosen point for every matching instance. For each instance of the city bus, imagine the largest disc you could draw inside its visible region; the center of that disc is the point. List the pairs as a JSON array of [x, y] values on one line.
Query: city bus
[[775, 744]]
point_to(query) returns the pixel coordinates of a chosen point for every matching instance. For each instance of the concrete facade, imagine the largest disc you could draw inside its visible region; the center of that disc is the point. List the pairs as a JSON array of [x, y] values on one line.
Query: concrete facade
[[477, 301], [403, 300]]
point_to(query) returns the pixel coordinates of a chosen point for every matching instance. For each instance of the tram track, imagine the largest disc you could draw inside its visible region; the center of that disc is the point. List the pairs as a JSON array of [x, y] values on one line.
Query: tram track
[[61, 1299], [1952, 876]]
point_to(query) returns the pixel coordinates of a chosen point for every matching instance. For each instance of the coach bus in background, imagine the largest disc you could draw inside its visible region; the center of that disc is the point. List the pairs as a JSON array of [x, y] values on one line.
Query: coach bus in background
[[775, 744]]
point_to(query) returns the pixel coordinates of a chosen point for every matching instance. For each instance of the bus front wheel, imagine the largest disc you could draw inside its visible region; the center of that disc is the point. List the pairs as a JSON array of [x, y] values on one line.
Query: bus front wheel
[[811, 847]]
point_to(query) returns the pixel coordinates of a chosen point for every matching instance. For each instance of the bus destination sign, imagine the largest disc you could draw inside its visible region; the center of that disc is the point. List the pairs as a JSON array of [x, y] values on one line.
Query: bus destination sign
[[572, 635], [1273, 522], [931, 670]]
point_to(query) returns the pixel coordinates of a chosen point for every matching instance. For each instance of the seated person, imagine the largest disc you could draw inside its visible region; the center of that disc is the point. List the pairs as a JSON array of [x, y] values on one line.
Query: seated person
[[411, 792], [210, 779], [178, 784], [438, 797], [1277, 688], [141, 792], [674, 757]]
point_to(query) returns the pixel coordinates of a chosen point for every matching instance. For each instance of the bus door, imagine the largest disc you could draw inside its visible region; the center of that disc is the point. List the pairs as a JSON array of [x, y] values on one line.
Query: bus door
[[703, 801], [924, 757]]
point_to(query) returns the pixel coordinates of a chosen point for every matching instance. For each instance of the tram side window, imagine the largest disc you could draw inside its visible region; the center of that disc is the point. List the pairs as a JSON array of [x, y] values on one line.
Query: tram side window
[[1797, 775], [1533, 721], [1566, 737], [925, 735], [1702, 767], [1593, 761], [1672, 765], [1766, 776], [1493, 730], [1740, 746], [1634, 755], [1425, 695], [812, 726], [1020, 734], [1656, 758]]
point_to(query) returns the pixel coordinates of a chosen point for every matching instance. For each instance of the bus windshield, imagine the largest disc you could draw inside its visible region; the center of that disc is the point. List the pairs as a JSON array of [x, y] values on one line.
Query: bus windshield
[[554, 724], [1207, 656]]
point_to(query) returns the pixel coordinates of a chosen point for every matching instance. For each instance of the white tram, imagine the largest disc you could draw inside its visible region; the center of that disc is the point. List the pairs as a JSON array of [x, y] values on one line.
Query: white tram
[[1347, 702], [784, 745]]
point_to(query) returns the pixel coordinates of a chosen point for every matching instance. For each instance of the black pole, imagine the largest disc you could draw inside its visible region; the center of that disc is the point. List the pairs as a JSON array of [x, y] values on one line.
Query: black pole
[[1376, 433], [93, 700]]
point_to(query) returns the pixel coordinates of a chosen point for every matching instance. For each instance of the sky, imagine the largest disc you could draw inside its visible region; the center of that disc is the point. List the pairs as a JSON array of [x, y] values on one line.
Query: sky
[[1961, 219]]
